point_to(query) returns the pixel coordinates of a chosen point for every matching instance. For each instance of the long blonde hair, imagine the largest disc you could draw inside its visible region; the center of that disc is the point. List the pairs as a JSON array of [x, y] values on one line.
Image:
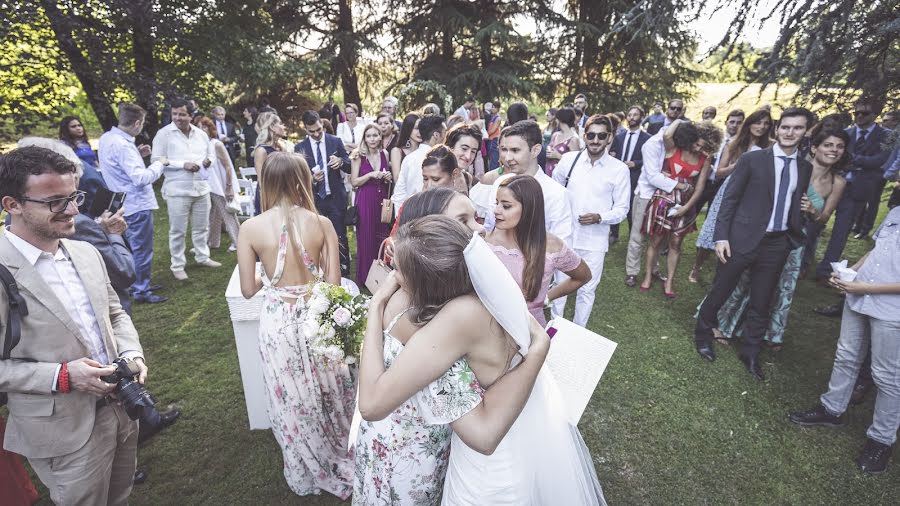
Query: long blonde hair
[[264, 130], [285, 182], [363, 148]]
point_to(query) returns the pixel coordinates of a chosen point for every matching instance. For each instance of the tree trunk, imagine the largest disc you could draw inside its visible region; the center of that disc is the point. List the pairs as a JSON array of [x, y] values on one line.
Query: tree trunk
[[63, 33], [144, 85], [347, 54]]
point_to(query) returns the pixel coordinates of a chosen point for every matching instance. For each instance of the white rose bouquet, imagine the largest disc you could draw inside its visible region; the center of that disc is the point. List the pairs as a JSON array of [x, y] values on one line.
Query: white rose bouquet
[[335, 323]]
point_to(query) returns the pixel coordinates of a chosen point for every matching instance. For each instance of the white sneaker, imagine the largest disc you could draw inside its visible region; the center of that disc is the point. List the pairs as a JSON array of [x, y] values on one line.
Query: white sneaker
[[232, 248], [180, 275], [210, 263]]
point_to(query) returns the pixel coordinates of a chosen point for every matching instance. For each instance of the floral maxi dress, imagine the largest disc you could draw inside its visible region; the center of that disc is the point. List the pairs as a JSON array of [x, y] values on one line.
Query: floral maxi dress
[[402, 460], [310, 400]]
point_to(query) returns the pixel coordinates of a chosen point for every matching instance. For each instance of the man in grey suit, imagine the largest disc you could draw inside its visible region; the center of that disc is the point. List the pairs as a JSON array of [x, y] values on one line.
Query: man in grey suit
[[80, 443], [757, 226]]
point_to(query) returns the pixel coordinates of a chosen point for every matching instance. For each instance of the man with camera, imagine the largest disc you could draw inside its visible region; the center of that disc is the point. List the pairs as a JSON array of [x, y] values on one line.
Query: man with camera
[[68, 323]]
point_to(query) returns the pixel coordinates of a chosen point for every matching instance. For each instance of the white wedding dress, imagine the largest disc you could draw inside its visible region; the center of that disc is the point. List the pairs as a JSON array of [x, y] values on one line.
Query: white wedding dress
[[543, 459]]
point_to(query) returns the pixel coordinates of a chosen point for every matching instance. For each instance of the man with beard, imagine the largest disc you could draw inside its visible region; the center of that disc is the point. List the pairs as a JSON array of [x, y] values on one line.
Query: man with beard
[[674, 111], [599, 187], [581, 105], [627, 148]]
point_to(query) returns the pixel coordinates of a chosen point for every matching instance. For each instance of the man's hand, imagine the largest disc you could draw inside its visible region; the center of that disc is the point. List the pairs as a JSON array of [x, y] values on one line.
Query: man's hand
[[191, 167], [207, 163], [142, 376], [84, 376], [589, 219], [144, 150], [334, 162], [318, 175], [629, 164], [723, 251], [113, 223]]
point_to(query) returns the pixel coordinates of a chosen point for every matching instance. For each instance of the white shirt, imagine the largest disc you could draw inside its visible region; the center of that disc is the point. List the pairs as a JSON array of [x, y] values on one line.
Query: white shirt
[[792, 186], [409, 182], [60, 275], [600, 187], [221, 128], [319, 145], [179, 149], [652, 177], [351, 135], [123, 170], [462, 111], [632, 136], [557, 206]]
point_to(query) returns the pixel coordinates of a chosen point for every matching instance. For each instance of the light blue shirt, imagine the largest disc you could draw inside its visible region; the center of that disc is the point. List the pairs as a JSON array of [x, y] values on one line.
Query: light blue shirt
[[123, 170], [881, 266]]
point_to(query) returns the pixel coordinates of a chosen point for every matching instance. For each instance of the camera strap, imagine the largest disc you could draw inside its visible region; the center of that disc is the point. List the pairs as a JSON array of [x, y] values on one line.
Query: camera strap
[[17, 310], [566, 184]]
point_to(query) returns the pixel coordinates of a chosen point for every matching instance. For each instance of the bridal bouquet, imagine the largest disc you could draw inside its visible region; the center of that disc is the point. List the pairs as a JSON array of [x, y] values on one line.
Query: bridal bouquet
[[335, 323]]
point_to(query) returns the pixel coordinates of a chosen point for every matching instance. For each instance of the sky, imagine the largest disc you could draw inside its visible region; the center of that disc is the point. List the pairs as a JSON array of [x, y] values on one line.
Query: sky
[[711, 27]]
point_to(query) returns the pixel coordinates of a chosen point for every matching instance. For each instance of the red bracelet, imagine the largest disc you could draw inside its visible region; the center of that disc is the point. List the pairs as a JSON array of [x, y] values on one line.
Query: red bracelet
[[63, 381]]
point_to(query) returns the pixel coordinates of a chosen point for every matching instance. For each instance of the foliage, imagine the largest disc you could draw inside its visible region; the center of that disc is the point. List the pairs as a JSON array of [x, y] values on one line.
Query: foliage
[[720, 67], [416, 94], [835, 50]]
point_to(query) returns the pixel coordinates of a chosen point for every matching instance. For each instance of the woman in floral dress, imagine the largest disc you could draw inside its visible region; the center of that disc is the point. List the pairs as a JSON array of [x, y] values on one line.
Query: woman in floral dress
[[310, 400]]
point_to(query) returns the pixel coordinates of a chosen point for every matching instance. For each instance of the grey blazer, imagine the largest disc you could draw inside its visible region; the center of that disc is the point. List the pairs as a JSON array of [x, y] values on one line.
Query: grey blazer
[[43, 424]]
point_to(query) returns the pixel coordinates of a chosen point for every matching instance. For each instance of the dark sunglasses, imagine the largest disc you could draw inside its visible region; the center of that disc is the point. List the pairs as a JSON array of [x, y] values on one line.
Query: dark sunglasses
[[596, 135], [673, 108], [862, 113]]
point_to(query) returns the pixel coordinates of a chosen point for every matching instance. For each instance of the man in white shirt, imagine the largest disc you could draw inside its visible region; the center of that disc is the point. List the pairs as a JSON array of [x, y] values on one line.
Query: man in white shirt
[[409, 182], [599, 187], [186, 152], [80, 443], [464, 109]]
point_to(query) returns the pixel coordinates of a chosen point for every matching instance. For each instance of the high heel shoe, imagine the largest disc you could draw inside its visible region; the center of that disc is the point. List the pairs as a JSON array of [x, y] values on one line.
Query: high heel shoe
[[669, 295]]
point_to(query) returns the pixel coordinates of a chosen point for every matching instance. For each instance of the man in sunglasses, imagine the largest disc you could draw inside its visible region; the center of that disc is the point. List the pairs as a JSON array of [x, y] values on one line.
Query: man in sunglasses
[[674, 111], [865, 182], [599, 188], [80, 443]]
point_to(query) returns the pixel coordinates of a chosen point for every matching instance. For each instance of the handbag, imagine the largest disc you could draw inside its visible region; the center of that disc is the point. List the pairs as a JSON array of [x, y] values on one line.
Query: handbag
[[233, 206], [379, 271], [387, 208]]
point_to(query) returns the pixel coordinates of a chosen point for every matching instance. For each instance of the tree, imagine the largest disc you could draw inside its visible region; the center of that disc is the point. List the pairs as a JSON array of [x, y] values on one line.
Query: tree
[[619, 52], [835, 50]]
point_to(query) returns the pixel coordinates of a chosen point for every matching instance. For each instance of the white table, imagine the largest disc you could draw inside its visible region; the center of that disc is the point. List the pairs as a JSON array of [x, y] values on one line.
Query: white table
[[245, 322]]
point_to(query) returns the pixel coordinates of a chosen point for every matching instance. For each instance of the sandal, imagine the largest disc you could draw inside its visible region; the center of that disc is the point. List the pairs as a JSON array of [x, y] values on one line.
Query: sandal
[[720, 338], [774, 347], [694, 276]]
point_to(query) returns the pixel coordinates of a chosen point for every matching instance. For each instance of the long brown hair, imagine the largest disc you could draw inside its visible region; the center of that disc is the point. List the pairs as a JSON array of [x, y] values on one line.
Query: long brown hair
[[531, 236], [429, 253], [285, 182], [743, 140]]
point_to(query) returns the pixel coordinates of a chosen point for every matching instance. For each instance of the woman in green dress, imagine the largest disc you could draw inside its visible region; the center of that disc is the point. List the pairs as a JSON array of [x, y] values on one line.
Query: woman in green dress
[[829, 156]]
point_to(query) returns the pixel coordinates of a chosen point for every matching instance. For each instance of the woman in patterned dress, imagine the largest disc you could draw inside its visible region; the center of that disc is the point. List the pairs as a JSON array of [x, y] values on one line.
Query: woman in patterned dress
[[403, 446], [755, 133], [671, 215], [563, 140], [310, 400]]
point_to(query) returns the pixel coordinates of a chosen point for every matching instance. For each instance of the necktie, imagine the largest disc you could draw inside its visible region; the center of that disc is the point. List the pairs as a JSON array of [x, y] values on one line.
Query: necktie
[[321, 192], [625, 155], [782, 194], [862, 136], [222, 130]]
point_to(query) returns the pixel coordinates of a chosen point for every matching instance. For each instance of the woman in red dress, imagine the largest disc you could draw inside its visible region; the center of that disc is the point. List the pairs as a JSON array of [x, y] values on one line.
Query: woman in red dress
[[671, 215]]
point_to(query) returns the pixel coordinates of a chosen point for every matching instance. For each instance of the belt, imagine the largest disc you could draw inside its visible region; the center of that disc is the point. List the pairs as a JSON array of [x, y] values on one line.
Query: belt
[[776, 234]]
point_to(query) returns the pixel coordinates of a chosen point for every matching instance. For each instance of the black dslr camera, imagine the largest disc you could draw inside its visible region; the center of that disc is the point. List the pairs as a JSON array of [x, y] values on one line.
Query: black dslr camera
[[137, 400]]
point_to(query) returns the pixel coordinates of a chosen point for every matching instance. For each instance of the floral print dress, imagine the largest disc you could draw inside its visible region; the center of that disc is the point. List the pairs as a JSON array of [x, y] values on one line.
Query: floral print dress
[[402, 460], [310, 400]]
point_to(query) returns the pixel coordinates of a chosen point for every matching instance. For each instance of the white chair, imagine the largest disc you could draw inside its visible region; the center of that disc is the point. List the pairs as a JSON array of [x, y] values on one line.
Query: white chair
[[248, 172], [246, 195]]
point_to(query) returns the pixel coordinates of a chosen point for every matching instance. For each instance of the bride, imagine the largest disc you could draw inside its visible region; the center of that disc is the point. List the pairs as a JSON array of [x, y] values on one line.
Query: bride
[[542, 458]]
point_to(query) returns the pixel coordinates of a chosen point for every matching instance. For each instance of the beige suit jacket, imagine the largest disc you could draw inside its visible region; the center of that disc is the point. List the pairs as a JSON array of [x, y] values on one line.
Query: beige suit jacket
[[44, 424]]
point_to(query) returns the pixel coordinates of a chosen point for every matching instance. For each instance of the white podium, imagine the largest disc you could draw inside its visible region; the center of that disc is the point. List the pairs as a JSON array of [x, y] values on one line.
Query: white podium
[[245, 322]]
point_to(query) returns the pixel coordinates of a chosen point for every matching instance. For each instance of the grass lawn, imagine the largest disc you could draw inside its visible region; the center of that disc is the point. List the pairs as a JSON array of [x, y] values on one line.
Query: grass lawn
[[664, 427]]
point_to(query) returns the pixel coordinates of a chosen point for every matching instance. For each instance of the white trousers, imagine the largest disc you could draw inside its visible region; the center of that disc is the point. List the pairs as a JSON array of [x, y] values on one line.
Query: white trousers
[[584, 299], [182, 209]]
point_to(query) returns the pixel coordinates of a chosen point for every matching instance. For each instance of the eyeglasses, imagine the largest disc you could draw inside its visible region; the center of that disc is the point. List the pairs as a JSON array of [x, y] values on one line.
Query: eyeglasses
[[597, 135], [59, 205], [862, 113]]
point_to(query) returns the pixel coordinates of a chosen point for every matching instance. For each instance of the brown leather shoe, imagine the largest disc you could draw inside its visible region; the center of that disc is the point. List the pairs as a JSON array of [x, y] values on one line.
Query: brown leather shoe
[[630, 281]]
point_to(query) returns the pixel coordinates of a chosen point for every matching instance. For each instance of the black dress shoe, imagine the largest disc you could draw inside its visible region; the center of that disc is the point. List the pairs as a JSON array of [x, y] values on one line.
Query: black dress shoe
[[140, 475], [860, 390], [832, 311], [706, 351], [817, 416], [630, 281], [150, 298], [874, 457], [753, 366], [154, 288]]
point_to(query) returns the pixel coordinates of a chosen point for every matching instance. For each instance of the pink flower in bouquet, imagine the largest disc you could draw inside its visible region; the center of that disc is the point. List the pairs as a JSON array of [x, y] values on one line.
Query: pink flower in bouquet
[[342, 316]]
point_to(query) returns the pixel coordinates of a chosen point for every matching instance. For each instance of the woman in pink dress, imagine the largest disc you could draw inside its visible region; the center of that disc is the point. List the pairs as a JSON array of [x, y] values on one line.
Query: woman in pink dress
[[530, 254], [563, 140], [672, 215], [370, 175]]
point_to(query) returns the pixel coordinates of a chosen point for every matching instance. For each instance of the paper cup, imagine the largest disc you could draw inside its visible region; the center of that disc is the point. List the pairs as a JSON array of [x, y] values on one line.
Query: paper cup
[[847, 275]]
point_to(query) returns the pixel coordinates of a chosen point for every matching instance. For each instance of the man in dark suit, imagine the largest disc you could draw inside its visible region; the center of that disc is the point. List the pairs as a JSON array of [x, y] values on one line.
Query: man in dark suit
[[328, 160], [227, 133], [865, 181], [757, 226], [627, 148]]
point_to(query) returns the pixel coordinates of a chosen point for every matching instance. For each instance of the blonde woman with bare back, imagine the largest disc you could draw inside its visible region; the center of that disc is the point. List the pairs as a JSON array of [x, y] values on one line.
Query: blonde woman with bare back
[[310, 400]]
